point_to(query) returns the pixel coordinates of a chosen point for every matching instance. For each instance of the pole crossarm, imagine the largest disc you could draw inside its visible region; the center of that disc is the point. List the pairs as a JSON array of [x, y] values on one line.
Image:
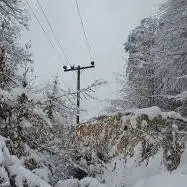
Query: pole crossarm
[[78, 68], [73, 68]]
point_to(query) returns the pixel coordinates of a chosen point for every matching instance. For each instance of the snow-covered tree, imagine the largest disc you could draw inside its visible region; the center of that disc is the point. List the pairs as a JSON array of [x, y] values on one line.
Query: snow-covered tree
[[140, 69], [157, 68], [59, 104], [22, 121], [170, 53]]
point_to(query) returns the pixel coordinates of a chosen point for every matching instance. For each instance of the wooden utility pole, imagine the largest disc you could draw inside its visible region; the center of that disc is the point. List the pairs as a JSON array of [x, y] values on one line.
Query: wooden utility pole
[[78, 68]]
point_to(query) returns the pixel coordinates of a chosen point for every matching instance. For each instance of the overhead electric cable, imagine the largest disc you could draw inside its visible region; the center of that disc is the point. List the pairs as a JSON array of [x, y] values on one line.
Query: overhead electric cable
[[41, 26], [53, 32], [84, 31], [43, 29]]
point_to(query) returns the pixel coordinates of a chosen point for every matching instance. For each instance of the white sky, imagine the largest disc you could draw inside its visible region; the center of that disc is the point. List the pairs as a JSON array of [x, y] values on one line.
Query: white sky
[[108, 23]]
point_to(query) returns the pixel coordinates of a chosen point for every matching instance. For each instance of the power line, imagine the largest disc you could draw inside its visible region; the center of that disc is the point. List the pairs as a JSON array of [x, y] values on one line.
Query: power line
[[52, 45], [43, 29], [53, 32], [84, 31]]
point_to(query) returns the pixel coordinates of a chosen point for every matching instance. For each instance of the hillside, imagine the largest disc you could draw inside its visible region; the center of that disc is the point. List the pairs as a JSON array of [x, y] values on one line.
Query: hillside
[[132, 149], [122, 149]]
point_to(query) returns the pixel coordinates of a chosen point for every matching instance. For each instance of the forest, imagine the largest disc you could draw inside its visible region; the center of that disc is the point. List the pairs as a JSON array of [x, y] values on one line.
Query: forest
[[139, 142]]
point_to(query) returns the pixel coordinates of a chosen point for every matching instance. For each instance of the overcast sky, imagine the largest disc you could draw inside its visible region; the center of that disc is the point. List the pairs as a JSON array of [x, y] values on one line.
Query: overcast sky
[[108, 23]]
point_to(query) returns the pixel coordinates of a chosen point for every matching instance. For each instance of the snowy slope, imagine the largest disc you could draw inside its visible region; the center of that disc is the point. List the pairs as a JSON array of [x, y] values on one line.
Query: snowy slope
[[164, 181], [150, 148], [147, 132], [129, 173], [177, 178]]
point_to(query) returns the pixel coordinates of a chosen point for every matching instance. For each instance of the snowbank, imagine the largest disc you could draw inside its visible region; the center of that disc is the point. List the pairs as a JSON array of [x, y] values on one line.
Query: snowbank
[[130, 173], [164, 181], [86, 182], [154, 112]]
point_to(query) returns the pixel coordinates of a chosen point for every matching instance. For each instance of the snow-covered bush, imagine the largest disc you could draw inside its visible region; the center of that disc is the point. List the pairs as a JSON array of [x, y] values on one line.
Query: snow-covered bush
[[13, 171], [99, 142], [86, 182]]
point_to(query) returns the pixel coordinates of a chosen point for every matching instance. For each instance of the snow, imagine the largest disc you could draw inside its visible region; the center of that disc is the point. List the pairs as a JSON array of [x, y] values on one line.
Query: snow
[[164, 181], [11, 166], [185, 76], [23, 174], [68, 183], [151, 112], [4, 95], [133, 122], [4, 176], [43, 115], [182, 96], [86, 182], [25, 123], [130, 173], [119, 172], [172, 115], [91, 182], [43, 173]]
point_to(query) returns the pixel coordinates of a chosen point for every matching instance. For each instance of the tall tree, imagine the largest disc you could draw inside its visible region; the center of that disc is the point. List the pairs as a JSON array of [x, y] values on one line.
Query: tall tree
[[12, 55], [140, 69], [170, 55], [157, 68]]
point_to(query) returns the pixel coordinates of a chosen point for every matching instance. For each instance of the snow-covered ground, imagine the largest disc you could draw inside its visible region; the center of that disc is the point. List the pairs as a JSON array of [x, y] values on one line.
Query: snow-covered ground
[[177, 178], [129, 173], [151, 174], [118, 172]]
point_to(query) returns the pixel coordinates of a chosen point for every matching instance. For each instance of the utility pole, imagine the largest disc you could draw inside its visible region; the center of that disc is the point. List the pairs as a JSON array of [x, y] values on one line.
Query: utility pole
[[78, 68]]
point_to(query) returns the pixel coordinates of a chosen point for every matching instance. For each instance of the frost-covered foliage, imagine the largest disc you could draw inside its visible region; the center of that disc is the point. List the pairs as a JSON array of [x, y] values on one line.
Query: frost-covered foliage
[[59, 104], [29, 130], [140, 69], [21, 121], [157, 68], [97, 143], [12, 54], [130, 173], [13, 10], [39, 148], [13, 171], [170, 53], [32, 136]]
